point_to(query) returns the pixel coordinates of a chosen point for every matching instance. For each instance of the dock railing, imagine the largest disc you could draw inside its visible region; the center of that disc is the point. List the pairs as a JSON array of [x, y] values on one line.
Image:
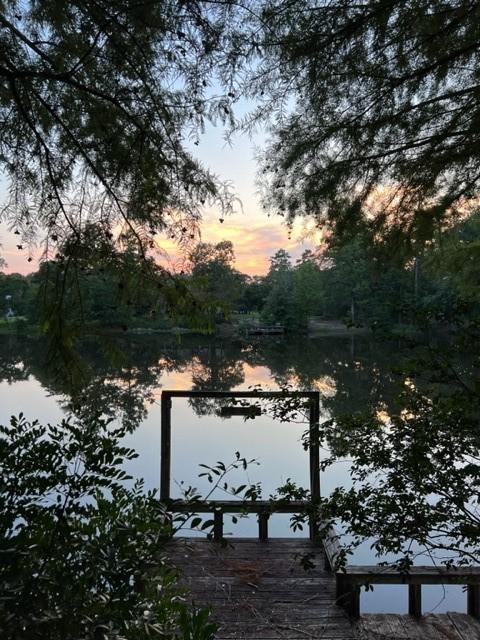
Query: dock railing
[[263, 508], [351, 578], [350, 581]]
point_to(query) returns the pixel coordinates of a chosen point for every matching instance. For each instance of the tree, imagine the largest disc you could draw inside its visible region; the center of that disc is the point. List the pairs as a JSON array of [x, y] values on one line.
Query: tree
[[280, 302], [452, 261], [214, 274], [384, 131], [416, 478], [80, 548], [309, 285], [97, 102], [254, 293]]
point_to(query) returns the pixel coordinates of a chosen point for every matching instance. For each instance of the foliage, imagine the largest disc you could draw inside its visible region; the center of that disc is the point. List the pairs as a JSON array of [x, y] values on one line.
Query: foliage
[[280, 302], [415, 469], [97, 104], [454, 261], [82, 552], [351, 281], [214, 276], [375, 113]]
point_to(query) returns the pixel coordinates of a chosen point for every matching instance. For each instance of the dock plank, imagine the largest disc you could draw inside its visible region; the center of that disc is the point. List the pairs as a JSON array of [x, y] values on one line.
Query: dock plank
[[259, 589], [450, 626]]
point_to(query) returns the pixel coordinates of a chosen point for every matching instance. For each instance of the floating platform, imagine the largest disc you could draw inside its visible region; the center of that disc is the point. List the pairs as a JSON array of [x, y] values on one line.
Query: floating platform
[[265, 330]]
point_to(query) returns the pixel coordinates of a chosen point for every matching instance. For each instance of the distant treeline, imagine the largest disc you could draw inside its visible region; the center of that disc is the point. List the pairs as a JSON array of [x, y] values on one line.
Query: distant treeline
[[352, 282]]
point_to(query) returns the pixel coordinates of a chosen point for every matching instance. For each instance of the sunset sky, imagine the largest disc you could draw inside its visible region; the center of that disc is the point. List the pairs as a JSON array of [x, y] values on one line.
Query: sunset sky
[[254, 235]]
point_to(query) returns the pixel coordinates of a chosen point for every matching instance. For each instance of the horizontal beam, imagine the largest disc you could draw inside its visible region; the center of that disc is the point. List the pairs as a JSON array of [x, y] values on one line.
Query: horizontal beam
[[179, 393], [416, 575], [237, 506]]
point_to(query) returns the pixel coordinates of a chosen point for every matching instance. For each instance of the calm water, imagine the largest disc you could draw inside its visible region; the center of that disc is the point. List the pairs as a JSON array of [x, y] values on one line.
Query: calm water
[[127, 376]]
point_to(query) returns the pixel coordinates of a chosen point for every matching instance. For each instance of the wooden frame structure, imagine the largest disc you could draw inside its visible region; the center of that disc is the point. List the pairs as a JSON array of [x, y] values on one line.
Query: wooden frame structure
[[349, 580], [263, 508]]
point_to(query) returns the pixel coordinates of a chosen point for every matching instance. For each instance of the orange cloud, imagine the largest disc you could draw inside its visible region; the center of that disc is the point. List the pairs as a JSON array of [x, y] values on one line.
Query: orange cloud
[[254, 239], [253, 242]]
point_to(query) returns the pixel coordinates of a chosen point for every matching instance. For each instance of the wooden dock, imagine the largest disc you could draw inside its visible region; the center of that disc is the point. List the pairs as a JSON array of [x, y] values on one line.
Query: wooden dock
[[446, 626], [259, 590]]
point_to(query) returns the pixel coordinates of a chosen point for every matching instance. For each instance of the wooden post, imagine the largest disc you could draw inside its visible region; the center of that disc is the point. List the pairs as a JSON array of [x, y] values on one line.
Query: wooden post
[[354, 609], [166, 444], [263, 517], [473, 600], [314, 418], [415, 600], [348, 595], [218, 525]]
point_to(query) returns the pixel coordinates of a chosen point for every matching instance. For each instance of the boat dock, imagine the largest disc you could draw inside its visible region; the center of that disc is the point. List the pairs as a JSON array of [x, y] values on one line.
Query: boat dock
[[288, 588], [260, 591]]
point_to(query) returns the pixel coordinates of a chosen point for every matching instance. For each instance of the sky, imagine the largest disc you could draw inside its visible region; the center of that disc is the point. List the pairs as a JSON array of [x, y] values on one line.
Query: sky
[[255, 236]]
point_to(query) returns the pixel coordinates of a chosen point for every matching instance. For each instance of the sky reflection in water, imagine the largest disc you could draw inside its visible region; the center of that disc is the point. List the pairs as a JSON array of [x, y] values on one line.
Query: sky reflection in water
[[347, 371]]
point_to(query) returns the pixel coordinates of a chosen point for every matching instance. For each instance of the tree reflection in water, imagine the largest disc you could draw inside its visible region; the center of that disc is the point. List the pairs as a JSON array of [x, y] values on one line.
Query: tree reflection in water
[[407, 414], [121, 375]]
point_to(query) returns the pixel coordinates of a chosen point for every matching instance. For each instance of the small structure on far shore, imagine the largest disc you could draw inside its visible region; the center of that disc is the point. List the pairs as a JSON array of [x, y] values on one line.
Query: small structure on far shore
[[266, 330]]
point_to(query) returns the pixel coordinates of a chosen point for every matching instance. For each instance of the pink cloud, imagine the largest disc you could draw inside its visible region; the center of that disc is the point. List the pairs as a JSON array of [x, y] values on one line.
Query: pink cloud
[[254, 241]]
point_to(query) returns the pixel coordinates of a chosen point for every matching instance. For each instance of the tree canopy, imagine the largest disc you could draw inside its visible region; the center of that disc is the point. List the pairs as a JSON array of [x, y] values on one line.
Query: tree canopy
[[376, 112], [99, 106], [372, 107]]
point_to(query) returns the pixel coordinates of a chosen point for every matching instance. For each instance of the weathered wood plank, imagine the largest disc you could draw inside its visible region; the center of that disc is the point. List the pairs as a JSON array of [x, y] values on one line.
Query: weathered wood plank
[[237, 506], [467, 627], [451, 626], [416, 575], [332, 548], [259, 590]]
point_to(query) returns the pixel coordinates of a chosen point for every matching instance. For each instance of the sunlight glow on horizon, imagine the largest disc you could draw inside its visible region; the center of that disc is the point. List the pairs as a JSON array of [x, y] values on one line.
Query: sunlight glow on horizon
[[255, 236], [255, 240]]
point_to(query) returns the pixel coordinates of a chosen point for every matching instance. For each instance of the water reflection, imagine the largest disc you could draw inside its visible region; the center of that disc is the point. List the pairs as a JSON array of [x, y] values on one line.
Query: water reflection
[[122, 376]]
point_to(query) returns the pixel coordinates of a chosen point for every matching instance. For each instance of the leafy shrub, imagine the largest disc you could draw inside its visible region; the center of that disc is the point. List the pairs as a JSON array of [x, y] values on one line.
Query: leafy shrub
[[81, 552]]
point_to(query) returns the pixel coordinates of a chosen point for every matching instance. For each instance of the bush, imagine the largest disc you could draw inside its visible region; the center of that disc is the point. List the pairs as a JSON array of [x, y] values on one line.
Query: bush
[[81, 552]]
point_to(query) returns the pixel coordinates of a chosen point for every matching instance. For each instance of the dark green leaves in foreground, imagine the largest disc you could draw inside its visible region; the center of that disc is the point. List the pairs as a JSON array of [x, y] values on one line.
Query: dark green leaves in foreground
[[81, 554]]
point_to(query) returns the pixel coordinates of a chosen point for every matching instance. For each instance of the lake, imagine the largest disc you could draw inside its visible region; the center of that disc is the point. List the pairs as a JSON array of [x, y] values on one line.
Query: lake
[[125, 375]]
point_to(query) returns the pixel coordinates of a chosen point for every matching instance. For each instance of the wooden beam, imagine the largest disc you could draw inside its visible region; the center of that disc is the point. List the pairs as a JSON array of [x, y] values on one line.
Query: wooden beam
[[473, 600], [180, 393], [218, 525], [373, 574], [237, 506], [348, 595], [415, 600], [251, 411], [263, 517], [166, 444]]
